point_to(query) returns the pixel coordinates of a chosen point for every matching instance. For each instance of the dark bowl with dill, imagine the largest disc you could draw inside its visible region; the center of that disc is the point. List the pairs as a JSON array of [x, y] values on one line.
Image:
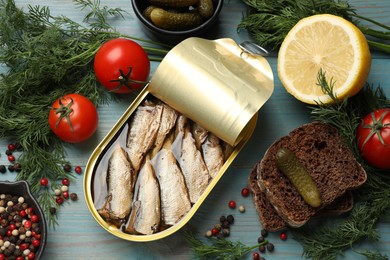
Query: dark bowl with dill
[[23, 226], [173, 24]]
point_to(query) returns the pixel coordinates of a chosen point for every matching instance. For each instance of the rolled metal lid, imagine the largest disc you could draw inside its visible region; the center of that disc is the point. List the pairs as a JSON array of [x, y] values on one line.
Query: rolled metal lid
[[215, 83]]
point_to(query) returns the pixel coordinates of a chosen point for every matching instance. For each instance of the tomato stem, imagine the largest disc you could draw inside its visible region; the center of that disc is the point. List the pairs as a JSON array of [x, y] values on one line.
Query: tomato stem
[[64, 112], [126, 80], [376, 127]]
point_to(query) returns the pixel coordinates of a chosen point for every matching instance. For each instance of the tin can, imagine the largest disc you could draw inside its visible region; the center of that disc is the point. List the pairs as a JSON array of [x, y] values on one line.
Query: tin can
[[216, 85]]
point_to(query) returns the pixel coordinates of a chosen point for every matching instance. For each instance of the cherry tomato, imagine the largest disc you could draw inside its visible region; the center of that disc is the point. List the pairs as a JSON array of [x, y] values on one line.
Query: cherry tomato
[[373, 137], [121, 65], [73, 118]]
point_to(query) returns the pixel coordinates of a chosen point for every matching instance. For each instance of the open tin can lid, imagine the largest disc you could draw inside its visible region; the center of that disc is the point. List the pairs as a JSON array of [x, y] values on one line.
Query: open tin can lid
[[216, 83]]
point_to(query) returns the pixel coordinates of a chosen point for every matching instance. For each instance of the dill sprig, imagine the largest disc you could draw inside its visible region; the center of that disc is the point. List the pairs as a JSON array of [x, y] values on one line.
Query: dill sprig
[[327, 240], [269, 21], [219, 248], [44, 57]]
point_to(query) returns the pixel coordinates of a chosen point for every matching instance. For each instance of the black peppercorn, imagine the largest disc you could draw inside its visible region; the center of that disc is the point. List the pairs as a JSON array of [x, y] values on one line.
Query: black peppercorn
[[17, 252], [11, 168], [270, 247], [226, 224], [3, 231], [264, 232], [12, 248], [67, 167], [8, 152], [3, 169], [73, 196], [9, 209], [260, 239], [262, 248], [230, 219], [17, 167], [222, 219], [53, 210], [13, 239], [32, 248], [7, 252]]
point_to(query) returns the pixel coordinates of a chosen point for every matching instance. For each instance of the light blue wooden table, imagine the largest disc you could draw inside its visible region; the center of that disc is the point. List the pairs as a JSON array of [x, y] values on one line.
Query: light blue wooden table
[[79, 236]]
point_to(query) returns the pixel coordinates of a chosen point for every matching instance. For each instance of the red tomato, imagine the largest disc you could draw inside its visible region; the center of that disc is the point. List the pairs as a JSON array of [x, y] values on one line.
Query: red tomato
[[73, 118], [121, 65], [373, 137]]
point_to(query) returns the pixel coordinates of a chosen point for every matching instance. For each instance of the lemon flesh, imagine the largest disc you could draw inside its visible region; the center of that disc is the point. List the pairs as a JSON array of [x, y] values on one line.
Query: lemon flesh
[[326, 42]]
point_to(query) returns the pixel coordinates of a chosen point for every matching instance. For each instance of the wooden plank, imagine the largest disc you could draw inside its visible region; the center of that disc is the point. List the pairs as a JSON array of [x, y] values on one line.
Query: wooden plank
[[79, 236]]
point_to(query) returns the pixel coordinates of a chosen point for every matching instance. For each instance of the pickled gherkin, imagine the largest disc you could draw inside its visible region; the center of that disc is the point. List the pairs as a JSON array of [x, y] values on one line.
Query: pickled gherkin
[[289, 165], [173, 3], [205, 8], [174, 21]]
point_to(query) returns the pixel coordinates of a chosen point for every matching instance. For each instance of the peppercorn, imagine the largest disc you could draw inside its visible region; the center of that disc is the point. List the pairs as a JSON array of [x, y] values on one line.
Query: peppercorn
[[218, 226], [270, 247], [65, 181], [241, 209], [17, 167], [78, 169], [262, 248], [256, 256], [208, 233], [283, 236], [8, 152], [12, 248], [3, 169], [17, 252], [226, 224], [32, 248], [245, 192], [11, 168], [264, 233], [230, 219], [260, 240], [215, 231], [11, 158], [232, 204], [225, 232], [53, 210], [3, 231], [67, 167], [65, 194], [11, 147], [73, 196], [44, 181], [222, 219]]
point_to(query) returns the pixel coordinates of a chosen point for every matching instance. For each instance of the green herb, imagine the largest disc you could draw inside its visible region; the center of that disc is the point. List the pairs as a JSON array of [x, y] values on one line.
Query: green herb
[[44, 57], [328, 241], [219, 248], [269, 21]]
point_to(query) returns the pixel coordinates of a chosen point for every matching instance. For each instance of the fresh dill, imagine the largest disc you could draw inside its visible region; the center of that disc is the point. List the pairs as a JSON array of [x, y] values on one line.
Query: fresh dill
[[327, 240], [269, 21], [219, 248], [44, 57]]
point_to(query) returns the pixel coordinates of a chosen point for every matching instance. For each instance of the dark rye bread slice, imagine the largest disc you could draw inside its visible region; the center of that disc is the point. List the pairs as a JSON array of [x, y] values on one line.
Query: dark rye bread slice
[[322, 151], [270, 219]]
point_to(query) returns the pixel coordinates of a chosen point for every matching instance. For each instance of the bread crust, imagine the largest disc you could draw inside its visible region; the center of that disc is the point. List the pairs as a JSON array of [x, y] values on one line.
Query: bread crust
[[321, 149]]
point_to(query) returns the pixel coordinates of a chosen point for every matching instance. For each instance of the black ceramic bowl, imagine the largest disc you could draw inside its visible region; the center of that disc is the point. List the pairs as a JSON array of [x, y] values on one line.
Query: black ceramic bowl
[[21, 189], [173, 37]]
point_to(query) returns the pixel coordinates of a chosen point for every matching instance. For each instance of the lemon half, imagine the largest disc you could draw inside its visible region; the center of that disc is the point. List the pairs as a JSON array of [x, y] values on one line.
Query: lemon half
[[326, 42]]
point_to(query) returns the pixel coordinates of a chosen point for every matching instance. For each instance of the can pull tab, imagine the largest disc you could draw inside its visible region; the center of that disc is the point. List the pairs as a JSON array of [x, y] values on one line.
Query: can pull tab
[[253, 48]]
